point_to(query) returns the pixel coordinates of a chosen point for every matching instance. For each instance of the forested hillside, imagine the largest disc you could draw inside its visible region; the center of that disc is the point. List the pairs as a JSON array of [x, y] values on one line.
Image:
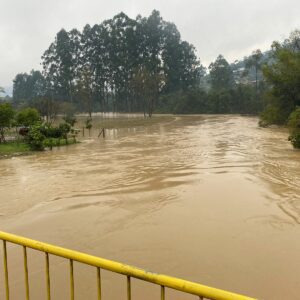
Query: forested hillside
[[143, 65], [122, 64]]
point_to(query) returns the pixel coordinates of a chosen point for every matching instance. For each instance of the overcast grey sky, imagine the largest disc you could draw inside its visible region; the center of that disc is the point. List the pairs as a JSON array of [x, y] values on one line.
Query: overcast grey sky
[[230, 27]]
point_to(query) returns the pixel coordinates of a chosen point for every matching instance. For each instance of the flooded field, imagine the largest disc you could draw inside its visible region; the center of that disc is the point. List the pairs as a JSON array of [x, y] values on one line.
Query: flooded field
[[212, 199]]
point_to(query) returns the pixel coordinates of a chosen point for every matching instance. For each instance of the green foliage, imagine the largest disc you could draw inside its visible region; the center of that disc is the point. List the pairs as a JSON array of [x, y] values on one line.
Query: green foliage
[[294, 119], [45, 135], [51, 132], [11, 148], [49, 143], [294, 138], [28, 86], [6, 114], [98, 64], [6, 118], [70, 119], [56, 132], [35, 138], [221, 75], [146, 86], [240, 99], [142, 64], [27, 117], [88, 123], [193, 101], [294, 125], [284, 77], [271, 115], [65, 128], [47, 107]]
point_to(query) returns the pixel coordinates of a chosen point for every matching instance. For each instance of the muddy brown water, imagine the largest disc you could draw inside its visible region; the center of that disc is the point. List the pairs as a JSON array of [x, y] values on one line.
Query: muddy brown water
[[212, 199]]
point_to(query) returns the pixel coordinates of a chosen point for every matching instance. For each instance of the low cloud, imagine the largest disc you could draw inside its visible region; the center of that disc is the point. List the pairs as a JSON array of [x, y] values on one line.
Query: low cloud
[[233, 27]]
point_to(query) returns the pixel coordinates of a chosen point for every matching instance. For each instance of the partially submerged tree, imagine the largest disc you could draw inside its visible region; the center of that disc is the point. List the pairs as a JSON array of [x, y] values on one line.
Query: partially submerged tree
[[88, 125], [294, 126], [147, 87], [85, 90]]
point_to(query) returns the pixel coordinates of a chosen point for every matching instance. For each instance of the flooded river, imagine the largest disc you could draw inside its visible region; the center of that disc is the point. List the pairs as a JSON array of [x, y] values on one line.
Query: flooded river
[[212, 199]]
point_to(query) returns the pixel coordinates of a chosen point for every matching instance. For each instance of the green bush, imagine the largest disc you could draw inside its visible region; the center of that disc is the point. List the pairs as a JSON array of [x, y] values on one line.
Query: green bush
[[48, 143], [28, 117], [294, 138], [294, 119], [51, 132], [41, 136], [70, 120], [88, 123], [65, 128], [271, 115], [294, 125], [35, 138]]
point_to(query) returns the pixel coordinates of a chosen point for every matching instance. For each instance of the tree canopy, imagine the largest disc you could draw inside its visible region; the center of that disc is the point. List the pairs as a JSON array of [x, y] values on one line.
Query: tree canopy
[[99, 64], [143, 65], [221, 74], [283, 75]]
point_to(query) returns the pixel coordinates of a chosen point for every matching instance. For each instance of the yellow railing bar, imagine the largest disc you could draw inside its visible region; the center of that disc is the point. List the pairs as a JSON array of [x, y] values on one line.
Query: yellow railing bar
[[162, 280]]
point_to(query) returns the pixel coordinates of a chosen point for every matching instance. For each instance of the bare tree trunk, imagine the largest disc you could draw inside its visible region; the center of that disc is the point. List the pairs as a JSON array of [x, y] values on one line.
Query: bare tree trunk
[[70, 91], [256, 84], [90, 101]]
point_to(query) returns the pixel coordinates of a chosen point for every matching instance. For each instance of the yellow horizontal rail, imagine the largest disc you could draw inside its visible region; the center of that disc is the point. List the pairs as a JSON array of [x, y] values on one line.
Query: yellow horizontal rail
[[130, 271]]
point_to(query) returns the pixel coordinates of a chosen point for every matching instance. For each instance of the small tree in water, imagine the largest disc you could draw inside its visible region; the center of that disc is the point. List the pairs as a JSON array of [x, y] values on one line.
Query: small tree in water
[[65, 128], [70, 119], [88, 125], [147, 86]]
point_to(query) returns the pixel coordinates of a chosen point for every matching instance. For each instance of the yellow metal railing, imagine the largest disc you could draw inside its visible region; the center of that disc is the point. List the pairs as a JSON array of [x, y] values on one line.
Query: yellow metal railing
[[202, 291]]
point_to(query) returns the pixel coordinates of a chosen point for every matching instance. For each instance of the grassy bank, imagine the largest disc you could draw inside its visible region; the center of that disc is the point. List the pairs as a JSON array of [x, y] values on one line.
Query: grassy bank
[[13, 148]]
